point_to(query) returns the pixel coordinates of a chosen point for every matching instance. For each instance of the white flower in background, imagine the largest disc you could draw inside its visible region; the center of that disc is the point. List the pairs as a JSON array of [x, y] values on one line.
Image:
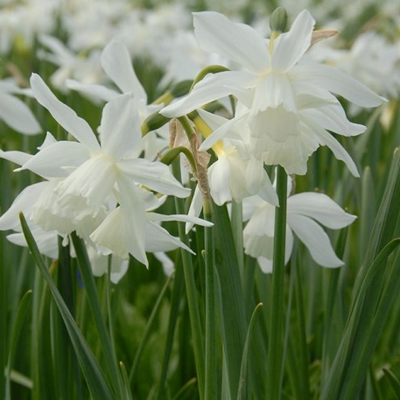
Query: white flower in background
[[83, 67], [13, 111], [304, 210], [289, 100], [373, 60]]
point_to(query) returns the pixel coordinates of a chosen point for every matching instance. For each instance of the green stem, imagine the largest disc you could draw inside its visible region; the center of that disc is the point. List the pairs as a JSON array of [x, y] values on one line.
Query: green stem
[[211, 372], [191, 293], [277, 315]]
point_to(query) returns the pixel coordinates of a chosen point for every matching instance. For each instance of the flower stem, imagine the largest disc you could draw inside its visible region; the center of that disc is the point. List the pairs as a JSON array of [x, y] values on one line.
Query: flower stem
[[211, 372], [276, 320]]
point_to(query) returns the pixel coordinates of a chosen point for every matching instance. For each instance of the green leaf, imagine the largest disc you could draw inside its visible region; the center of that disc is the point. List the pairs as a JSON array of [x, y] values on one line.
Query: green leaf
[[393, 381], [243, 382], [95, 378], [16, 330]]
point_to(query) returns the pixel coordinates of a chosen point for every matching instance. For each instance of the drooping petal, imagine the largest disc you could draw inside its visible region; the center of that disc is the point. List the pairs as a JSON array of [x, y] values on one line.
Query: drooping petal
[[195, 208], [339, 152], [290, 46], [16, 114], [212, 87], [64, 115], [219, 177], [178, 217], [339, 83], [159, 239], [120, 132], [320, 207], [22, 203], [315, 239], [237, 42], [116, 62], [154, 175], [123, 230]]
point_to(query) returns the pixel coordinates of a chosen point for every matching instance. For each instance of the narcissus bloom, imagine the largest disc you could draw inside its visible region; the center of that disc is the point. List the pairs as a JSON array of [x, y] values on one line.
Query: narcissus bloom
[[289, 100], [304, 212]]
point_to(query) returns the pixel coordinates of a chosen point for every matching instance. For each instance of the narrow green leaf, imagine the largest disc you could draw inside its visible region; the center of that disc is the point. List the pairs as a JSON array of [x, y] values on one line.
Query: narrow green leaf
[[148, 328], [16, 330], [243, 381], [94, 376], [233, 306], [125, 379], [393, 381], [95, 307]]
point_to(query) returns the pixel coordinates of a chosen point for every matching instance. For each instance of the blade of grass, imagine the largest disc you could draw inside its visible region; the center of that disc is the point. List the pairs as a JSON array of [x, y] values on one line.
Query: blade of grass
[[94, 376], [393, 382], [244, 392], [16, 330], [95, 307]]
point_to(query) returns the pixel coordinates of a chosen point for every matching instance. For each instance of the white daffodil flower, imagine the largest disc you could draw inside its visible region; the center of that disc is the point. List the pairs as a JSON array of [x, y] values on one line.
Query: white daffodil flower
[[289, 100], [304, 210], [14, 112], [93, 174]]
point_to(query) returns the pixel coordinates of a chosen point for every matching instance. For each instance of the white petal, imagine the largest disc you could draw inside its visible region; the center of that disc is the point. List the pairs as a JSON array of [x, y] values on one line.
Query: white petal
[[219, 177], [321, 208], [120, 132], [178, 217], [116, 62], [338, 82], [55, 160], [195, 208], [159, 239], [64, 115], [315, 239], [238, 42], [16, 114], [154, 175], [17, 157], [167, 264], [96, 91], [340, 153], [290, 46], [212, 87], [24, 202]]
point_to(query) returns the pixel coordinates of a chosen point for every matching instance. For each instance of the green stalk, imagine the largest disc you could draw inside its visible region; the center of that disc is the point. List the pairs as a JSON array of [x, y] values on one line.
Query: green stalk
[[276, 317], [191, 292], [211, 372]]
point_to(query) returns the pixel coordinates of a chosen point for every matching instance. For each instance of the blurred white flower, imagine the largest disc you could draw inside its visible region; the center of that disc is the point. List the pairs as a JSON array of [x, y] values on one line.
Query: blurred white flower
[[304, 210], [83, 67], [13, 111], [289, 101]]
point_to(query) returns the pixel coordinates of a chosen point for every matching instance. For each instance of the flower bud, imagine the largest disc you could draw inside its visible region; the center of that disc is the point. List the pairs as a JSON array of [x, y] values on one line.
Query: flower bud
[[278, 20]]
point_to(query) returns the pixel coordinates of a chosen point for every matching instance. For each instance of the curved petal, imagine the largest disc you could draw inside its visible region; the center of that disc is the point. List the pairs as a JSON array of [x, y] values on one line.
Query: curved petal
[[290, 46], [339, 83], [178, 217], [320, 207], [120, 131], [212, 87], [315, 239], [23, 203], [54, 160], [116, 62], [64, 115], [238, 42], [327, 139], [195, 208], [17, 157], [97, 91], [219, 177], [154, 175], [16, 114]]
